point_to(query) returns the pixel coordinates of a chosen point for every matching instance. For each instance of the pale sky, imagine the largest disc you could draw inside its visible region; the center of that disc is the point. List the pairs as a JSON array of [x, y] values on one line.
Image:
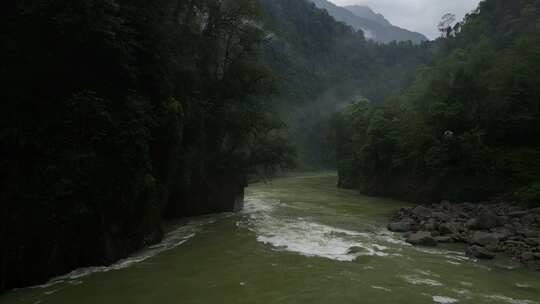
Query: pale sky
[[417, 15]]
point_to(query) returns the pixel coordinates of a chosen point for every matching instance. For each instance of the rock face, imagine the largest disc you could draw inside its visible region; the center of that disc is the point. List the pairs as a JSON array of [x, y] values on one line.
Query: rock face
[[422, 238], [488, 229], [34, 256]]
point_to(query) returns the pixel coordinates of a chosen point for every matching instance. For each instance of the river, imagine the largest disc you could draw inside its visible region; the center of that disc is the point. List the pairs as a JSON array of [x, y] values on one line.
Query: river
[[299, 240]]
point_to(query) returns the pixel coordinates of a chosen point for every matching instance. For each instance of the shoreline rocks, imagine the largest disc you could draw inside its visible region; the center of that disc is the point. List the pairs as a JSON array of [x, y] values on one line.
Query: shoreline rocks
[[422, 238], [489, 229]]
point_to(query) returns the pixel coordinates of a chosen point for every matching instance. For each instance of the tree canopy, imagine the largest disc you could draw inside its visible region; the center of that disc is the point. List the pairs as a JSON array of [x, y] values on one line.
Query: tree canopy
[[469, 125]]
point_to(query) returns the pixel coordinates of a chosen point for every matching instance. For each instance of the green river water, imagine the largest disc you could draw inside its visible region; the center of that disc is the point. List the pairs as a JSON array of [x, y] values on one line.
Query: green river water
[[299, 240]]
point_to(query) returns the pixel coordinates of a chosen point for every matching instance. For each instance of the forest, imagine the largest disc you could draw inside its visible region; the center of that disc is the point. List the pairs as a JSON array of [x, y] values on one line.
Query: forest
[[325, 65], [118, 116], [467, 128]]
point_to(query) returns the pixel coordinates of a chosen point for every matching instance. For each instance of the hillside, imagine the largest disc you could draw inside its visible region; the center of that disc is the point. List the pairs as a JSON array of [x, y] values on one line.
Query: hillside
[[374, 26], [469, 126], [366, 12], [325, 65]]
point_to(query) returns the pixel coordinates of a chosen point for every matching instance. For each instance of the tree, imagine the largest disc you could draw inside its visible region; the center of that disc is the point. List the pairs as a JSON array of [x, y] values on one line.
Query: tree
[[445, 25]]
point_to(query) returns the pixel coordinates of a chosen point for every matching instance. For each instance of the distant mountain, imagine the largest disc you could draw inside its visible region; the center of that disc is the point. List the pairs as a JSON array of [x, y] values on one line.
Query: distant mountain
[[367, 13], [375, 26]]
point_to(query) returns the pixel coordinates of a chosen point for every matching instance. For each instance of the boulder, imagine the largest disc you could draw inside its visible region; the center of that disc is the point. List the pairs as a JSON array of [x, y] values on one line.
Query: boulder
[[528, 233], [533, 241], [430, 225], [421, 238], [485, 221], [449, 228], [355, 250], [444, 239], [445, 204], [485, 239], [479, 252], [421, 212], [403, 226], [535, 210], [529, 219], [517, 213], [442, 216], [505, 232], [527, 256]]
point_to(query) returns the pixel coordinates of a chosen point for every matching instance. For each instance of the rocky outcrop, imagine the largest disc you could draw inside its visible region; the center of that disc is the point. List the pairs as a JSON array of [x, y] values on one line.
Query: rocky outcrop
[[489, 229]]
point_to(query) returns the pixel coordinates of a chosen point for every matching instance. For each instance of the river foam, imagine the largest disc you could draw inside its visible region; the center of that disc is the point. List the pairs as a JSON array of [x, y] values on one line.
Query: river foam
[[306, 237], [172, 239], [505, 299], [444, 300]]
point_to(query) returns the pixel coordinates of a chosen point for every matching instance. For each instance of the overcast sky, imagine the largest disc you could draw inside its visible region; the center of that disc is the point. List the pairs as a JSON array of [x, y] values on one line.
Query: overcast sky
[[417, 15]]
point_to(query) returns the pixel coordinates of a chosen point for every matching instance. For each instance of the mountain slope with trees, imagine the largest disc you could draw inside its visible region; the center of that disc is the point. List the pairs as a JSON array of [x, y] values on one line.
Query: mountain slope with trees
[[324, 65], [374, 26], [469, 126], [119, 114]]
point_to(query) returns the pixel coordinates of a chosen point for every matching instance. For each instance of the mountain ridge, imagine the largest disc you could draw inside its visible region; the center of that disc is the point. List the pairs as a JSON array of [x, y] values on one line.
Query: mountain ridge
[[366, 12], [375, 26]]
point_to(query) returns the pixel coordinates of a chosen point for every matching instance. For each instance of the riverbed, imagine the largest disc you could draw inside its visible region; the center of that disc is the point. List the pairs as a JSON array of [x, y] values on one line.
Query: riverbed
[[299, 239]]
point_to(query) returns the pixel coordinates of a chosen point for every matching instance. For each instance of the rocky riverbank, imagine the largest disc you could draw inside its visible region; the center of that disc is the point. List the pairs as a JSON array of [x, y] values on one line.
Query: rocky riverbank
[[489, 230]]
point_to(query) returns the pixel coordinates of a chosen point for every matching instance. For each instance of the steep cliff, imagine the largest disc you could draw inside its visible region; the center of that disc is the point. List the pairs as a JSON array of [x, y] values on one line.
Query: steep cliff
[[118, 114]]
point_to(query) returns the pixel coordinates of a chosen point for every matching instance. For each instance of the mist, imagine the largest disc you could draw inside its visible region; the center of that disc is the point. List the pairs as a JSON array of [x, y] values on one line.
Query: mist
[[416, 15]]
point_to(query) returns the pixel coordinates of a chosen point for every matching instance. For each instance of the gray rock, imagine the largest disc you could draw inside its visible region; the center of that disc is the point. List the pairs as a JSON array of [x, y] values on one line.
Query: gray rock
[[517, 213], [504, 232], [528, 219], [485, 239], [527, 256], [449, 228], [444, 239], [446, 204], [430, 225], [400, 226], [355, 249], [485, 221], [533, 241], [421, 238], [479, 252], [442, 216], [535, 210], [515, 243], [528, 233], [421, 211]]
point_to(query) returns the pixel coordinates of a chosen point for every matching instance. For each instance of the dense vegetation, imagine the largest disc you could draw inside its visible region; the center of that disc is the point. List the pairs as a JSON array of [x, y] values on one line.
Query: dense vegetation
[[324, 65], [116, 114], [469, 125]]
